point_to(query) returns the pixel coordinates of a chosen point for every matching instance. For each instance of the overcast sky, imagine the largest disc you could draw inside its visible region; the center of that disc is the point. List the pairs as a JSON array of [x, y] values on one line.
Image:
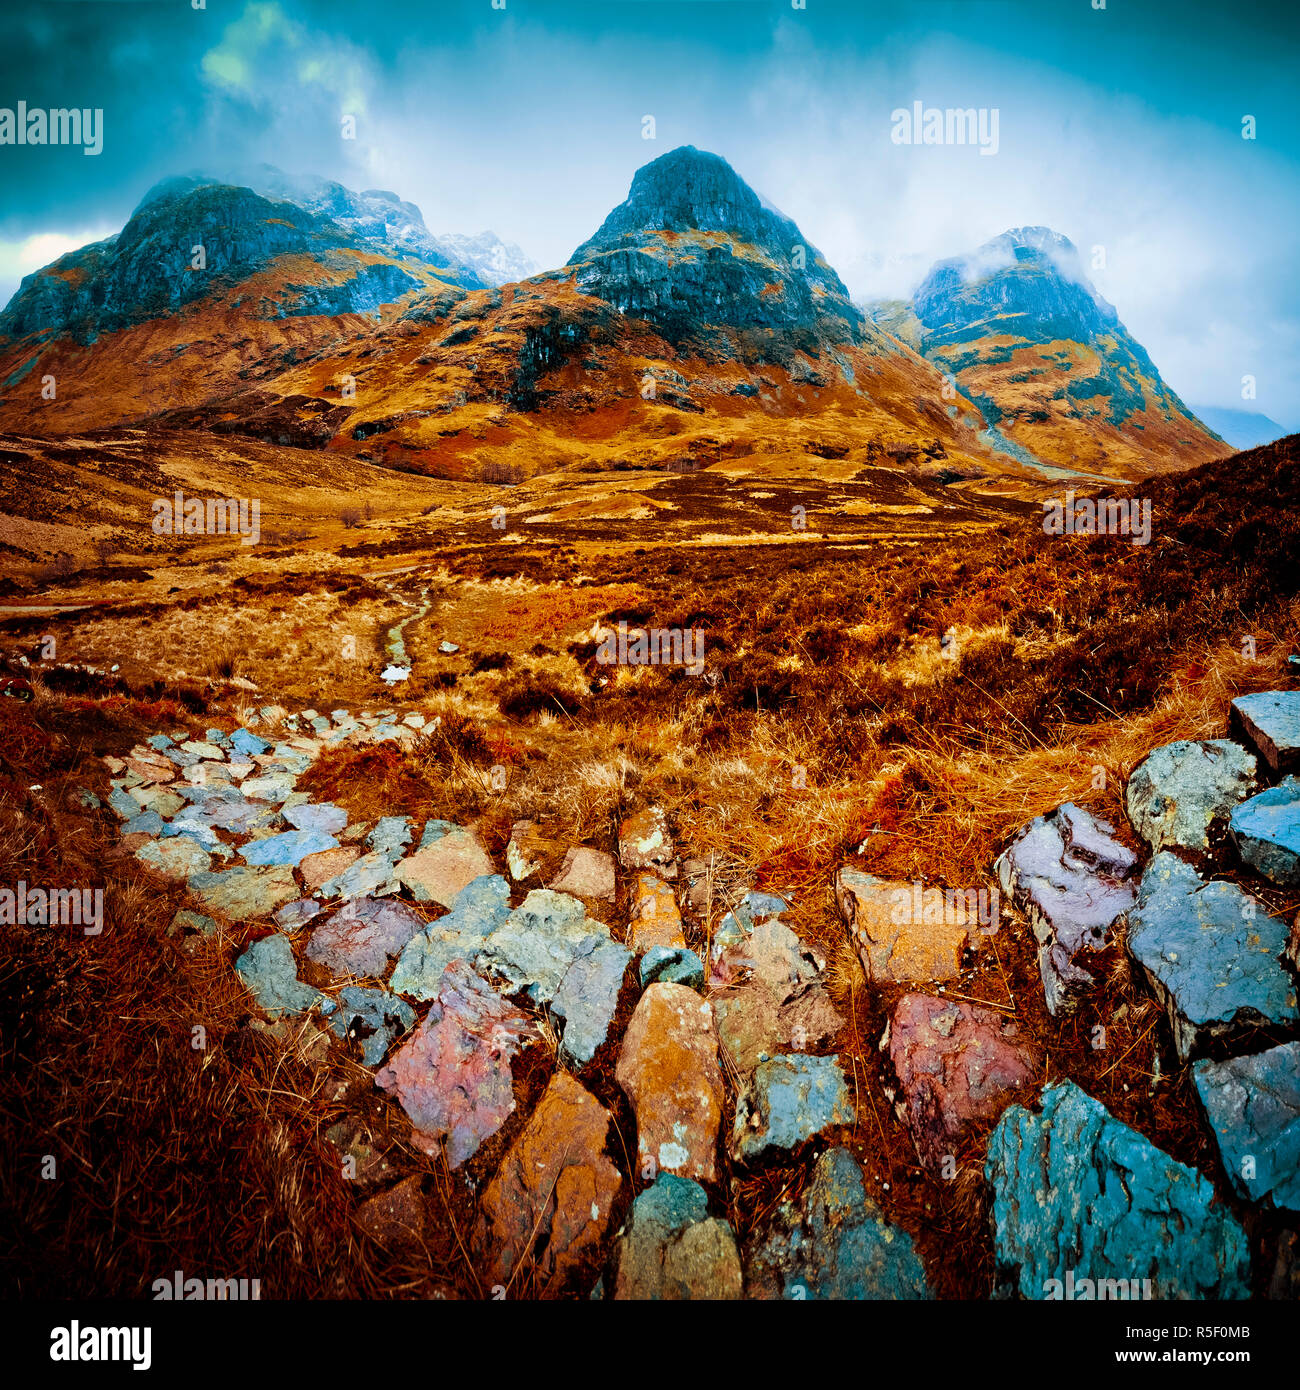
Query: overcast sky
[[1119, 127]]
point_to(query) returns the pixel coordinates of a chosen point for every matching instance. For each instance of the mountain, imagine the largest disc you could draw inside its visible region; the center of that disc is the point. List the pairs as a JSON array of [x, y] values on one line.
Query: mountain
[[696, 252], [494, 261], [1026, 336], [1243, 429]]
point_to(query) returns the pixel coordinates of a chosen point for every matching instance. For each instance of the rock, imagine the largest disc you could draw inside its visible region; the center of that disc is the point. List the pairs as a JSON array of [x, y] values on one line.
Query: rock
[[438, 871], [241, 894], [390, 836], [1253, 1106], [446, 648], [644, 841], [155, 771], [834, 1244], [274, 787], [317, 816], [290, 847], [152, 798], [669, 1071], [187, 923], [535, 946], [222, 807], [672, 965], [123, 803], [891, 943], [175, 859], [555, 1190], [586, 873], [480, 908], [361, 936], [146, 823], [1266, 832], [1078, 1194], [203, 750], [655, 919], [1211, 954], [1270, 722], [370, 876], [271, 974], [526, 850], [1073, 881], [373, 1017], [752, 911], [452, 1076], [588, 997], [671, 1248], [319, 869], [786, 1100], [955, 1062], [248, 744], [293, 915], [395, 1218], [1179, 791]]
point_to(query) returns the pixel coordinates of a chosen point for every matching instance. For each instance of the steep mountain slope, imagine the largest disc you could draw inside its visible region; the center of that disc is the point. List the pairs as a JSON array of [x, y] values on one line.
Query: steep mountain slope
[[1020, 327]]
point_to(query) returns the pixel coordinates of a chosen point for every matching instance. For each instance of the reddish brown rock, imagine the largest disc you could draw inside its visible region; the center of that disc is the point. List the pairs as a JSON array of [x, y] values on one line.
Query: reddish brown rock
[[895, 943], [554, 1190], [586, 873], [955, 1062], [395, 1217], [669, 1071], [655, 919], [438, 872], [327, 864]]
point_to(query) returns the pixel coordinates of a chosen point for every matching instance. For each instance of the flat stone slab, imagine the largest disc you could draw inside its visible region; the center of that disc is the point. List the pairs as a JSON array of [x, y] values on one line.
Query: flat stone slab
[[248, 744], [242, 894], [271, 974], [955, 1062], [319, 869], [322, 815], [834, 1243], [176, 858], [295, 914], [672, 1249], [786, 1100], [892, 945], [369, 876], [1270, 722], [440, 869], [1211, 954], [588, 997], [361, 937], [390, 836], [275, 787], [1179, 791], [534, 947], [1266, 832], [480, 909], [1078, 1195], [555, 1191], [656, 919], [1074, 883], [586, 873], [289, 847], [644, 841], [452, 1076], [1253, 1106], [373, 1018], [751, 911], [669, 1071]]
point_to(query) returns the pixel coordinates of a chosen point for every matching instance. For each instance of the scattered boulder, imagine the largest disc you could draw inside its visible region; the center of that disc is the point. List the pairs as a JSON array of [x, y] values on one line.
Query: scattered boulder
[[1211, 954], [290, 847], [479, 910], [834, 1243], [786, 1100], [271, 974], [452, 1075], [1266, 832], [655, 919], [671, 1248], [586, 873], [1179, 791], [1253, 1106], [438, 870], [1072, 880], [644, 841], [1077, 1194], [669, 1071], [1270, 722], [894, 943], [362, 935], [955, 1062], [242, 894], [554, 1191]]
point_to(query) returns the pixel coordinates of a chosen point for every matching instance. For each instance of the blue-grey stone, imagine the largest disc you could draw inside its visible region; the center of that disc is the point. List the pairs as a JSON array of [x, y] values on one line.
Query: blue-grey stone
[[248, 744], [317, 816], [188, 923], [1210, 953], [222, 740], [146, 823], [1078, 1195], [834, 1244], [1179, 791], [1270, 721], [390, 836], [320, 724], [290, 847], [268, 786], [200, 832], [435, 830], [786, 1100], [1253, 1106], [677, 965], [534, 947], [271, 974], [672, 1249], [180, 757], [753, 909], [292, 915], [480, 908], [588, 996], [159, 741], [126, 806], [1266, 831], [373, 1017], [371, 875]]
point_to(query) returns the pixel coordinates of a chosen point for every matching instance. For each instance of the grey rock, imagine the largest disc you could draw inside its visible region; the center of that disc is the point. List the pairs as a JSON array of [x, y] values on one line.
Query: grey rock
[[534, 947], [671, 1248], [271, 974], [1270, 722], [588, 997], [1266, 832], [479, 910], [1179, 791], [788, 1099], [373, 1017]]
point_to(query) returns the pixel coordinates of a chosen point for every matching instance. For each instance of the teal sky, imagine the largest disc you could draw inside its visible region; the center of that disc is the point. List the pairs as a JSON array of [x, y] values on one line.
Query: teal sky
[[1120, 127]]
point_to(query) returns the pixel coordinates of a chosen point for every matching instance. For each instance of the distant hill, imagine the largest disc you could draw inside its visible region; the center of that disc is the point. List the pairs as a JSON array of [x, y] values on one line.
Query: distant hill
[[1243, 429]]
